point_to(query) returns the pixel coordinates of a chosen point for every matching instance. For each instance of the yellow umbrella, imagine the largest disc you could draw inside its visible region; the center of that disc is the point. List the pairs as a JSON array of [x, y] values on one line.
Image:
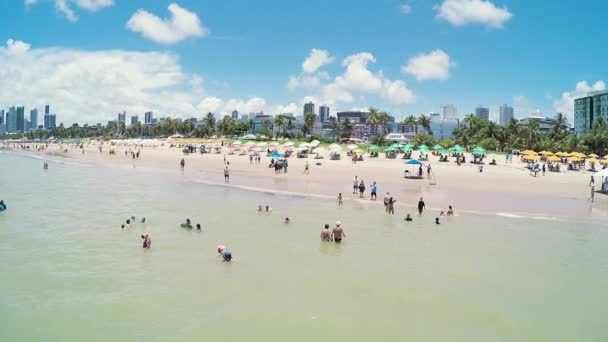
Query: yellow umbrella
[[575, 159], [554, 158], [593, 155], [531, 157], [529, 152], [546, 153], [593, 160], [560, 154], [578, 154]]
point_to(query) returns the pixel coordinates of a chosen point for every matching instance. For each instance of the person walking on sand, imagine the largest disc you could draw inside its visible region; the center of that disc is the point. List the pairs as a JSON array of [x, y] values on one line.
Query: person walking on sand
[[340, 199], [421, 206], [182, 164], [428, 170], [592, 198], [226, 175], [326, 234], [373, 195], [306, 168], [361, 189], [355, 185], [337, 234]]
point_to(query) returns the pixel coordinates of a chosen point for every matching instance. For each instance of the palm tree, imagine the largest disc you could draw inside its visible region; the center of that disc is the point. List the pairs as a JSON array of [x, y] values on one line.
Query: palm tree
[[559, 127], [373, 117], [384, 118], [412, 122], [530, 133], [209, 122], [279, 122], [309, 121], [425, 122], [347, 127], [290, 126]]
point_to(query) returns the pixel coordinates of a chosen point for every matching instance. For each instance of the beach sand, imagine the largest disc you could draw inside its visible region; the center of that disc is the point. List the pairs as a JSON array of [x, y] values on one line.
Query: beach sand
[[506, 188]]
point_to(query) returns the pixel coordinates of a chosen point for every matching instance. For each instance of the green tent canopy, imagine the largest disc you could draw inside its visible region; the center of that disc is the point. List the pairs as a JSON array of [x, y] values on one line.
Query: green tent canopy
[[457, 149], [373, 148], [479, 150], [423, 148], [437, 147], [390, 149]]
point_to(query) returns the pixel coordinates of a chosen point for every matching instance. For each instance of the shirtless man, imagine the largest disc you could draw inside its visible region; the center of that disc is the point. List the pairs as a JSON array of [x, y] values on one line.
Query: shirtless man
[[326, 234], [337, 234]]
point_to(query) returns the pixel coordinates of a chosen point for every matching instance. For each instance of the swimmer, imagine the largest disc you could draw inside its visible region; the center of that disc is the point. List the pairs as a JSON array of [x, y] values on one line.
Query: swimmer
[[133, 218], [187, 224], [437, 220], [337, 234], [128, 224], [268, 209], [226, 255], [143, 220], [260, 209], [2, 204], [326, 234], [408, 217], [122, 226], [450, 211], [198, 227], [147, 242], [286, 220]]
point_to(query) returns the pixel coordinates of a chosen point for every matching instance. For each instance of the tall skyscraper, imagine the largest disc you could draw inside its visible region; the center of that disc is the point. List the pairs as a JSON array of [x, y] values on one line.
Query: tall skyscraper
[[323, 113], [482, 112], [149, 118], [588, 109], [449, 112], [33, 119], [50, 121], [11, 120], [47, 109], [122, 118], [505, 114], [20, 120], [1, 116], [309, 108], [134, 120], [235, 114]]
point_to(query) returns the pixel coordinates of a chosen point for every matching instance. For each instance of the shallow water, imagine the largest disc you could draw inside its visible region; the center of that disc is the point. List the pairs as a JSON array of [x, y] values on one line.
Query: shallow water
[[68, 272]]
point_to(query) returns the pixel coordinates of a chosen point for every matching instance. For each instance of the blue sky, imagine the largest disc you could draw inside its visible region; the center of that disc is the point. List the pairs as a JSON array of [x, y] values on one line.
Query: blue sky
[[93, 58]]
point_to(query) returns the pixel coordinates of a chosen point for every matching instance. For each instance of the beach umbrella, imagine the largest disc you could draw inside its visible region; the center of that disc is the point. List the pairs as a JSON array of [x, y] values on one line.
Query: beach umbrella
[[277, 155], [315, 142], [413, 162], [579, 154], [390, 149], [423, 148], [479, 150], [262, 144], [358, 151], [529, 152], [575, 159], [592, 160], [352, 147], [373, 148], [593, 155], [408, 145], [332, 146], [288, 144], [457, 149], [236, 143], [546, 153], [531, 157], [443, 151], [437, 147], [554, 158]]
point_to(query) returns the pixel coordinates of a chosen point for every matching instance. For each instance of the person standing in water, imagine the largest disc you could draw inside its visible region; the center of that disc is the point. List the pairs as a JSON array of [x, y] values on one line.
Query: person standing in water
[[340, 199], [326, 234], [337, 234], [421, 206], [225, 254], [450, 211], [226, 175], [147, 242], [391, 206], [361, 189], [356, 185]]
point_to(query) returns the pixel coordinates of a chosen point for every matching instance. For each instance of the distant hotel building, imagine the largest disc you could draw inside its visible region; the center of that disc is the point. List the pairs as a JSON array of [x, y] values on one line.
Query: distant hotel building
[[149, 118], [505, 114], [588, 109], [323, 113], [122, 118], [309, 108], [544, 123], [482, 113], [33, 119], [235, 114], [134, 120], [449, 112], [355, 117], [442, 127]]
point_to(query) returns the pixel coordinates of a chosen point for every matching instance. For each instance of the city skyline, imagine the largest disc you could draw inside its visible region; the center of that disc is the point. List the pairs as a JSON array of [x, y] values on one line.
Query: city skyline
[[214, 65]]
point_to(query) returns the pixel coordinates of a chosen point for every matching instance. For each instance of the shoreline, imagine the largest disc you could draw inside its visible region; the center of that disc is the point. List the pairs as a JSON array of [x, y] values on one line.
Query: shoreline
[[472, 201]]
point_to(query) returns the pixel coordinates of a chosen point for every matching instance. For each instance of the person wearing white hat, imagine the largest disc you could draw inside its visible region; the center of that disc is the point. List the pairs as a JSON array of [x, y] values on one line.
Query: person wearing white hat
[[337, 234]]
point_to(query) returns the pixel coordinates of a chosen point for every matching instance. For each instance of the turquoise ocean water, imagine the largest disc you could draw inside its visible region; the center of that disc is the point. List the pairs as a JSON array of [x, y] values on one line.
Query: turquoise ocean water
[[68, 272]]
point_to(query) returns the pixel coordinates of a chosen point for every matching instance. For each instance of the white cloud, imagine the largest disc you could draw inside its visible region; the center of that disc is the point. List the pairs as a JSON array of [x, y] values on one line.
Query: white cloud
[[252, 105], [307, 81], [285, 109], [397, 92], [462, 12], [434, 65], [197, 84], [565, 104], [87, 5], [17, 46], [182, 24], [316, 59], [405, 9], [210, 105]]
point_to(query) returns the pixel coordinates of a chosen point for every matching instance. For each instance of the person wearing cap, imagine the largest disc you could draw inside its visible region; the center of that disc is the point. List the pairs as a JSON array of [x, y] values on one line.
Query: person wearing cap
[[226, 255], [337, 234]]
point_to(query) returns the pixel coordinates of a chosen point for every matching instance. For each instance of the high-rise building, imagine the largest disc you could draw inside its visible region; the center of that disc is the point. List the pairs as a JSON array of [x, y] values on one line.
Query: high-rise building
[[449, 112], [50, 121], [134, 120], [309, 108], [323, 113], [20, 120], [235, 114], [122, 118], [588, 109], [47, 109], [149, 118], [33, 119], [482, 112], [505, 114], [11, 120], [1, 116]]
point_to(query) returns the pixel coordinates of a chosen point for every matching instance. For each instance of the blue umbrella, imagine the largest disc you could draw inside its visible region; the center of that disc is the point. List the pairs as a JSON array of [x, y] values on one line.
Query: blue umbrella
[[413, 162], [277, 155]]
